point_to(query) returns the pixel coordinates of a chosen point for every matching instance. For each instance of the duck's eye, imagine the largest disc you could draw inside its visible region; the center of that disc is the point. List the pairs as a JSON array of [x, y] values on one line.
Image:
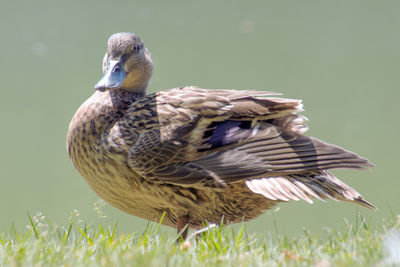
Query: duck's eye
[[116, 69]]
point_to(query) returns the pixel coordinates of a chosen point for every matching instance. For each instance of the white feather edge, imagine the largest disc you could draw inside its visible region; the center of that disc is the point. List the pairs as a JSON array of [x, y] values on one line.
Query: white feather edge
[[280, 188]]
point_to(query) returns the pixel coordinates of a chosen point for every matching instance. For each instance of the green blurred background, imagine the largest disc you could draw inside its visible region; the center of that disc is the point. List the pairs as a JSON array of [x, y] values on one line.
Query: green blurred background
[[341, 57]]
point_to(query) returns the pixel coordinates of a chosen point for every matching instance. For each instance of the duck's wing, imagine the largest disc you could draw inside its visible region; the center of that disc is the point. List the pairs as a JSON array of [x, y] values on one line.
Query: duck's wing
[[215, 137]]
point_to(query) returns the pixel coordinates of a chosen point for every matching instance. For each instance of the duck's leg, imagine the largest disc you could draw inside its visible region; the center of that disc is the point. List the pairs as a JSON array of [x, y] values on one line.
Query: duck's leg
[[183, 223]]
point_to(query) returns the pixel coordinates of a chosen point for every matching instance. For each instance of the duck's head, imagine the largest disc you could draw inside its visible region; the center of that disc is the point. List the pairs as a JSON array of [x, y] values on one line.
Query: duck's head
[[126, 65]]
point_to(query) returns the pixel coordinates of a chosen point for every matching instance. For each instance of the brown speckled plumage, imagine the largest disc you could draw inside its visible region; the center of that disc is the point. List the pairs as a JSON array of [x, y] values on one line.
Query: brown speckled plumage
[[198, 155]]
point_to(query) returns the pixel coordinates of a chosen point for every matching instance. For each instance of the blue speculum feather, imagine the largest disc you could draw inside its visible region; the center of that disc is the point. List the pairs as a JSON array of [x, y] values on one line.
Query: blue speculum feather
[[228, 132]]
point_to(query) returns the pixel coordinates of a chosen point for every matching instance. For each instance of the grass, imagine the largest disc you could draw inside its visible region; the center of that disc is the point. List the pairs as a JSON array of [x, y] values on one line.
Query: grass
[[78, 244]]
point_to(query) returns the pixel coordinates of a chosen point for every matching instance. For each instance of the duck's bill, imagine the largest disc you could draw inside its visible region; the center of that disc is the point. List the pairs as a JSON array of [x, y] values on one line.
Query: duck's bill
[[113, 77]]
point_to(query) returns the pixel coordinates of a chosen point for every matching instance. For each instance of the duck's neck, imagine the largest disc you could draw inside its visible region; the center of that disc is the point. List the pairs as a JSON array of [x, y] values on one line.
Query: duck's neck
[[121, 98]]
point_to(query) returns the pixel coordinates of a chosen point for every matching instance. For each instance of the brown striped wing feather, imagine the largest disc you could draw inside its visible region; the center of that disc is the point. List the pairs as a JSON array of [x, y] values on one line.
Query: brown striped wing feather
[[216, 137]]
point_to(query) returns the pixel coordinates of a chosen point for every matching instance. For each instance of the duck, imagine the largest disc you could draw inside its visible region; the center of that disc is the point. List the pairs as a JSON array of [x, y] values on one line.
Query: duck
[[191, 156]]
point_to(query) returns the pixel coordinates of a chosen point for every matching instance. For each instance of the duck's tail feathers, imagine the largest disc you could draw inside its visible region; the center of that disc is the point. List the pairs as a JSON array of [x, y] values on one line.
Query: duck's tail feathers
[[321, 185]]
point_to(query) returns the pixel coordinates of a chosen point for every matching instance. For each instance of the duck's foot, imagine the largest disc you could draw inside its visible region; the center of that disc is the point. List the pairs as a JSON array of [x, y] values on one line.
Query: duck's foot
[[202, 230], [182, 226], [186, 242]]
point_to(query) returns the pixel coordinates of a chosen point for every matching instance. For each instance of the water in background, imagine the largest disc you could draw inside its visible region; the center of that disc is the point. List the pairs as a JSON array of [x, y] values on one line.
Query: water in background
[[341, 57]]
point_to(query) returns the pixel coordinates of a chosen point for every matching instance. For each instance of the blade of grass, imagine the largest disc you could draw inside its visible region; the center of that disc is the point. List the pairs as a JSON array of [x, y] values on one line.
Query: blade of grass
[[85, 235], [33, 225], [66, 235]]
